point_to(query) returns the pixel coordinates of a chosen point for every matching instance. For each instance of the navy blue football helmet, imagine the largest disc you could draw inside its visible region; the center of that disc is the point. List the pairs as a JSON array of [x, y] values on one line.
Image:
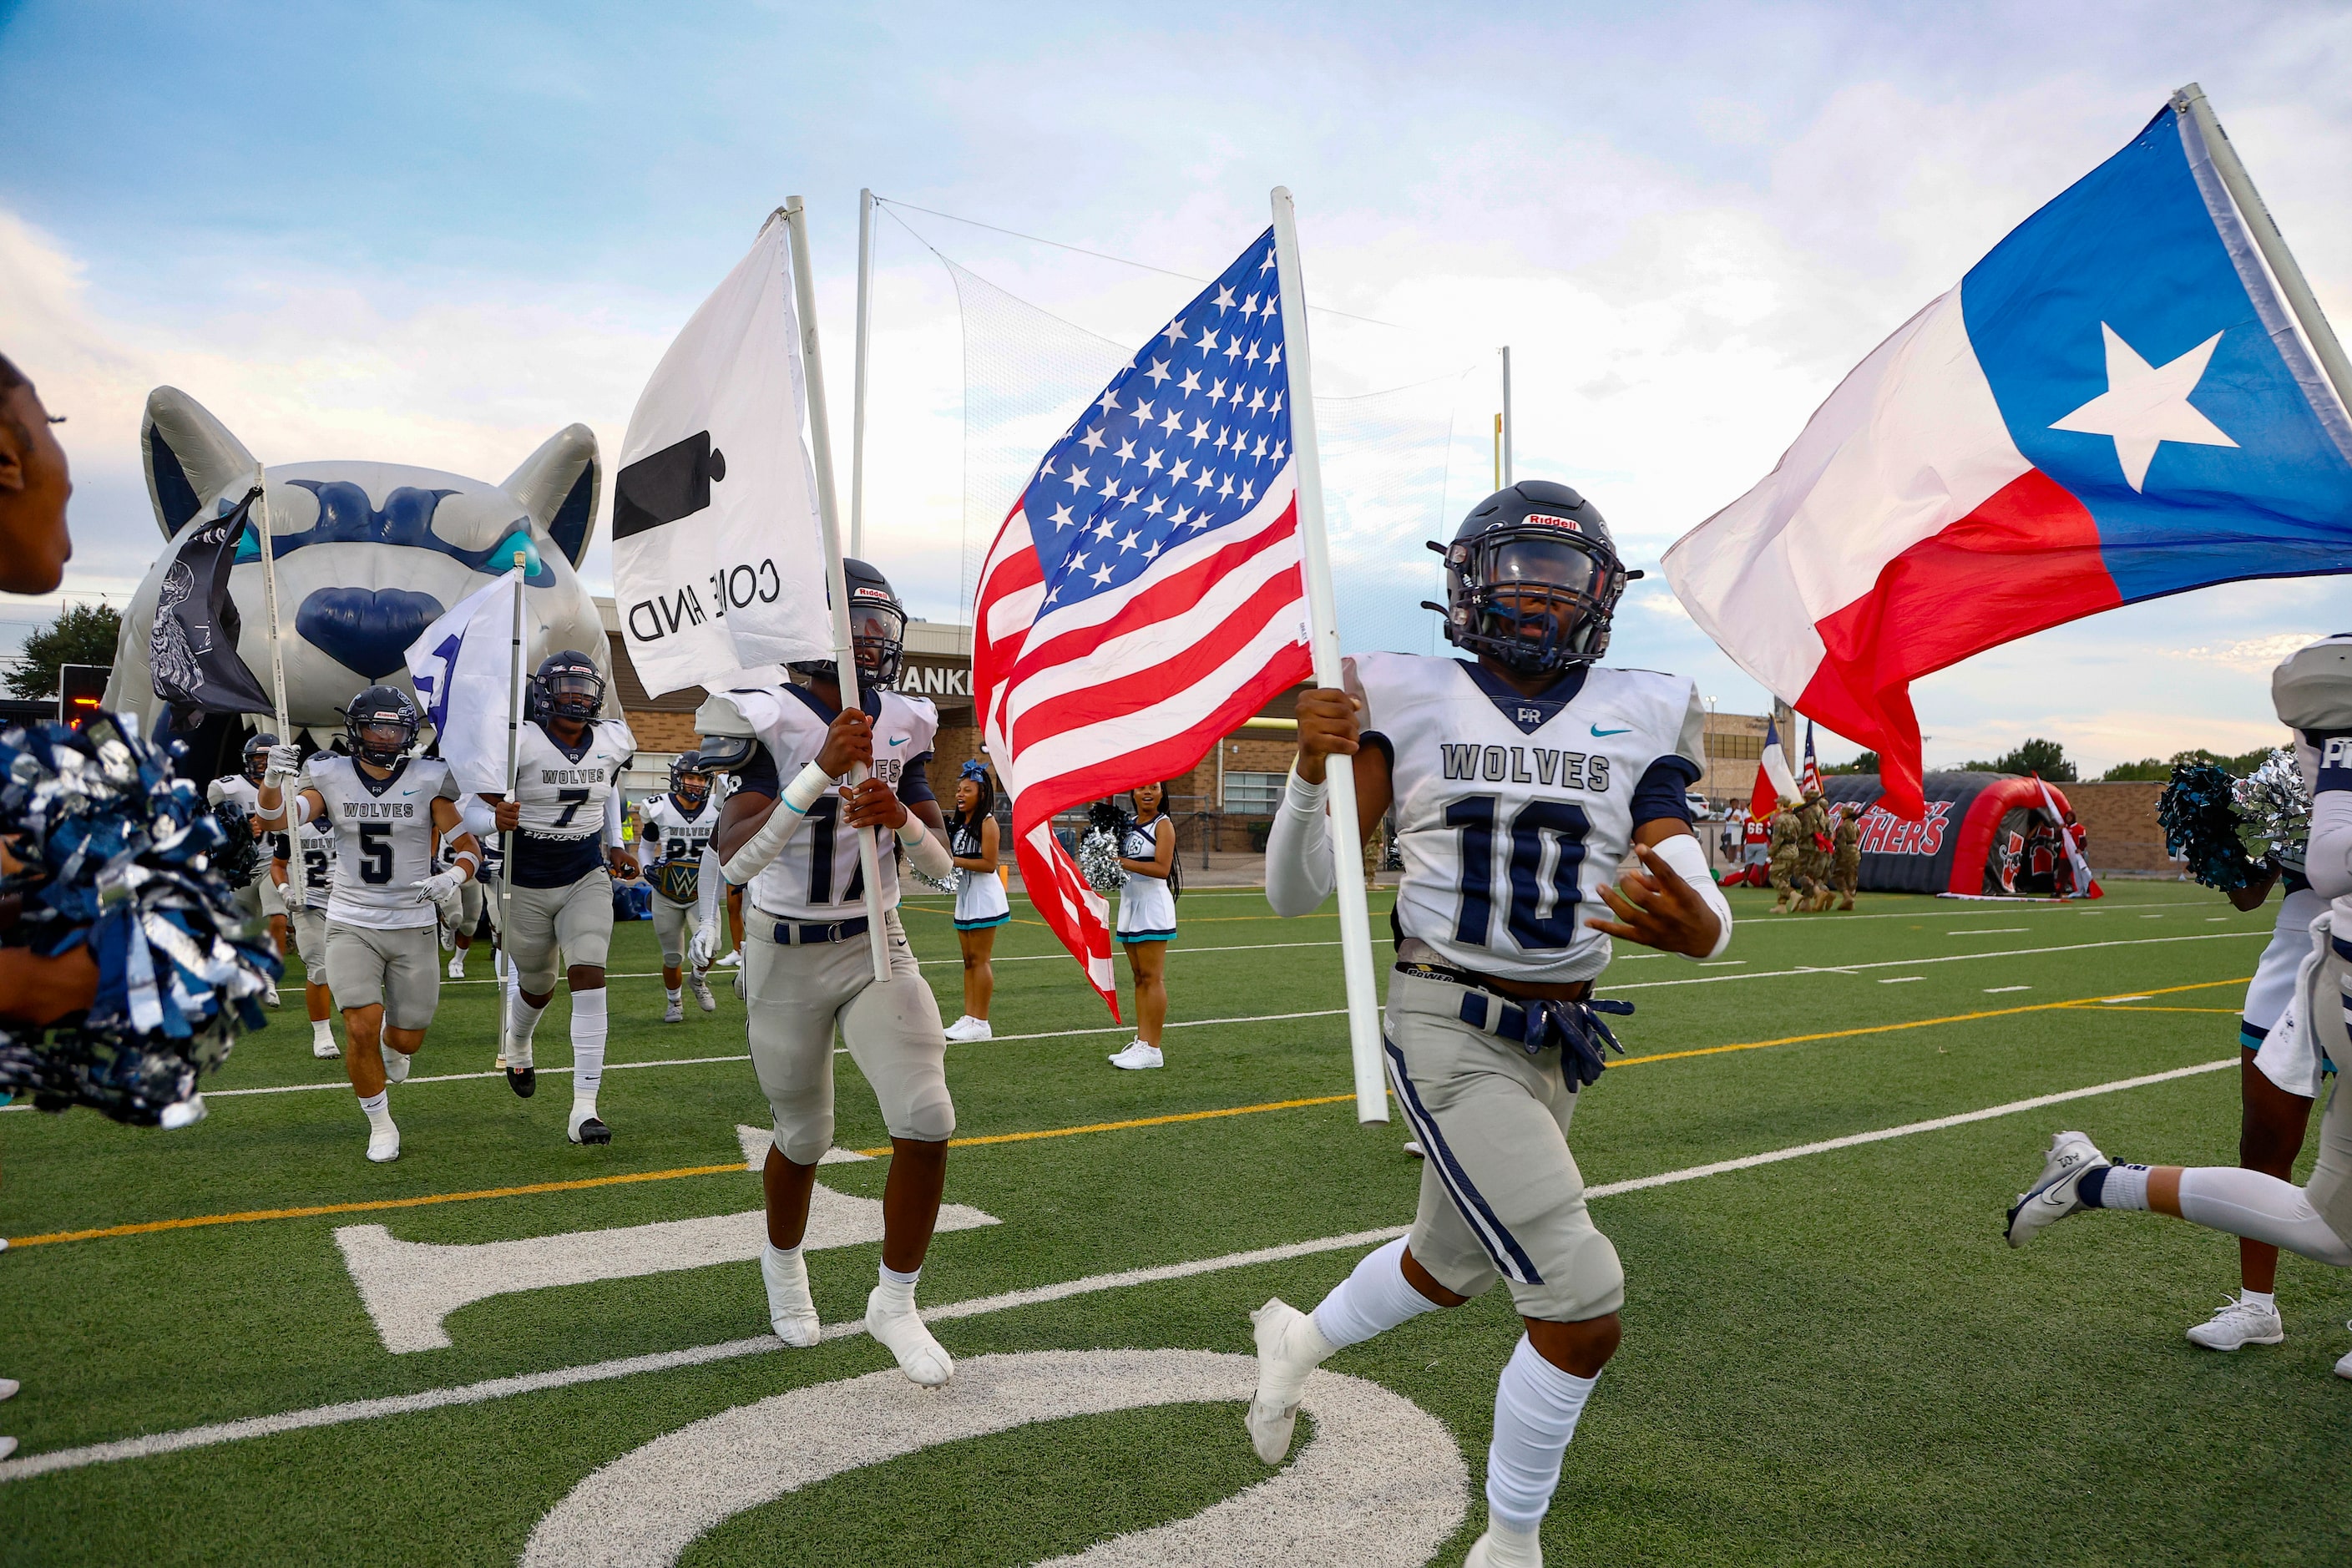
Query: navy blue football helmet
[[568, 686], [1532, 579], [689, 780]]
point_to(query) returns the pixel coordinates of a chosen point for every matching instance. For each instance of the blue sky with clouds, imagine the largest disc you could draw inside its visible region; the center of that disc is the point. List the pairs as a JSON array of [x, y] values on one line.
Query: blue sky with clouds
[[437, 233]]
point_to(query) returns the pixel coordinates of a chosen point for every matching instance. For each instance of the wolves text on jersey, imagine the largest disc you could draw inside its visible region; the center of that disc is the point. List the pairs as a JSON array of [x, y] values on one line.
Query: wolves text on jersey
[[1510, 765]]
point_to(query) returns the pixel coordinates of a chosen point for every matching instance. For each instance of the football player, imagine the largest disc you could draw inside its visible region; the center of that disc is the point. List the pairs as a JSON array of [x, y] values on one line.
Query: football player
[[792, 832], [565, 814], [2305, 984], [388, 810], [674, 828], [304, 870], [261, 896], [1519, 778]]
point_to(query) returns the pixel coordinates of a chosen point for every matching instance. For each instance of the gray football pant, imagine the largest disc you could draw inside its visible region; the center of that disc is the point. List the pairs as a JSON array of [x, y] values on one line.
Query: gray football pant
[[799, 994]]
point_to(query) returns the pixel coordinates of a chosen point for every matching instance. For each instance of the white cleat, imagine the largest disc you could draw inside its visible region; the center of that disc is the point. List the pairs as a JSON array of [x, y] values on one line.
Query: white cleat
[[1138, 1056], [395, 1065], [675, 1013], [966, 1029], [2239, 1322], [899, 1328], [270, 997], [792, 1311], [1505, 1548], [325, 1049], [729, 960], [456, 960], [2052, 1198], [384, 1140], [8, 1447], [702, 997], [2344, 1366], [1288, 1349], [8, 1386]]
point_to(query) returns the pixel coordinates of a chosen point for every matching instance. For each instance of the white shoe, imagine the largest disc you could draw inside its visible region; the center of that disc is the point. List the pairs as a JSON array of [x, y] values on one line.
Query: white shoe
[[966, 1029], [1288, 1349], [729, 960], [701, 989], [1413, 1147], [2239, 1322], [384, 1140], [8, 1447], [270, 997], [791, 1313], [457, 965], [1502, 1548], [396, 1064], [2052, 1198], [2344, 1366], [8, 1386], [899, 1328], [325, 1049], [1138, 1056], [675, 1013], [738, 986]]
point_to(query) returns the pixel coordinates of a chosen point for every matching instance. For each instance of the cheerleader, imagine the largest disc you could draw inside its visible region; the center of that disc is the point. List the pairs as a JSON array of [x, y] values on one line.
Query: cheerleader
[[981, 905], [1147, 920]]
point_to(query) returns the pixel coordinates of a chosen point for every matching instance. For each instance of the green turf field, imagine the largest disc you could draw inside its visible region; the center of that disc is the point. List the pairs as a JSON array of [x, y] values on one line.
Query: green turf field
[[1830, 1358]]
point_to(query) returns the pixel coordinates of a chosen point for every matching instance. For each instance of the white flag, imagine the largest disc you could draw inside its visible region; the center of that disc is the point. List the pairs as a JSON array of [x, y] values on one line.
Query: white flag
[[718, 560], [463, 668]]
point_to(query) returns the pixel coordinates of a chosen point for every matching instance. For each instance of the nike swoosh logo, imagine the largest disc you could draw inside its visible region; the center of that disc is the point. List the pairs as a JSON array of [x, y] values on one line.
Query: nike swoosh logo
[[1598, 731], [898, 740]]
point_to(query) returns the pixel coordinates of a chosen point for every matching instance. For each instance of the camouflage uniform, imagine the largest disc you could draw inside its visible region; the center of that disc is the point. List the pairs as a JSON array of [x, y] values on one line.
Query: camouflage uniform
[[1784, 858], [1847, 874], [1813, 860]]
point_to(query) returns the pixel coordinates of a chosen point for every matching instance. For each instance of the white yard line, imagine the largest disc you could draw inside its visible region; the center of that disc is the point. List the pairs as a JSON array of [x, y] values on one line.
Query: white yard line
[[761, 1344]]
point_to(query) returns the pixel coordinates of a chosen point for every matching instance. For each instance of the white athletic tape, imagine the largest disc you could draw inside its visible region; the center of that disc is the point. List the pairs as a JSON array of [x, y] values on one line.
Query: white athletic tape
[[410, 1288], [1381, 1484], [762, 1344]]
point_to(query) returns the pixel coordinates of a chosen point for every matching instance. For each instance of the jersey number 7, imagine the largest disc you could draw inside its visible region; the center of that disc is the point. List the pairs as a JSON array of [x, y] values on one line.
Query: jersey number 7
[[572, 800], [1535, 931]]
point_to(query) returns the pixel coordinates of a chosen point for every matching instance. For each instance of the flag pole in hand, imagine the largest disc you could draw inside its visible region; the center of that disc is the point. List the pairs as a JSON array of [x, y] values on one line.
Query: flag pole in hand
[[261, 516], [836, 584], [506, 837], [1323, 621]]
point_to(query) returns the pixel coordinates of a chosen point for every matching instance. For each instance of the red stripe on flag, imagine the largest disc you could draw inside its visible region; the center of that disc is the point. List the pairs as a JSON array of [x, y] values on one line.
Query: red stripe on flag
[[2026, 560], [1059, 894]]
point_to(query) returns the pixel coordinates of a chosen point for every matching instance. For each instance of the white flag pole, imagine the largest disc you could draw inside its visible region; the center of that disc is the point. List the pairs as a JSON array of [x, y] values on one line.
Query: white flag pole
[[1323, 619], [836, 585], [261, 521], [506, 839], [864, 342]]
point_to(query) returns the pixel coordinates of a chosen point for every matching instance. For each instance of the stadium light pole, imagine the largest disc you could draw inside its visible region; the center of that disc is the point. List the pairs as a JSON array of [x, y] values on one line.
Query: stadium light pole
[[836, 584], [1323, 634]]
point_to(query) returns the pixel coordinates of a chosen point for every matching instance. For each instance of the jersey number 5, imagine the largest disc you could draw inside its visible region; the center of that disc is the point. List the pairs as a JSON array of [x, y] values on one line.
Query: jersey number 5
[[375, 853], [1535, 931]]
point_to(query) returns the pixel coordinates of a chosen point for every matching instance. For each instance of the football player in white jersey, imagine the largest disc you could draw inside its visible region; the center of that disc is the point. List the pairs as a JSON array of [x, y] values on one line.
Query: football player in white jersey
[[792, 832], [565, 814], [304, 870], [2310, 1038], [261, 896], [673, 829], [388, 809], [1519, 783]]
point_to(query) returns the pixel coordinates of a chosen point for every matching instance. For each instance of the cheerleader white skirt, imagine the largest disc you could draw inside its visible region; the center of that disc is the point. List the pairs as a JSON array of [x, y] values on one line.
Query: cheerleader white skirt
[[1147, 910], [980, 902]]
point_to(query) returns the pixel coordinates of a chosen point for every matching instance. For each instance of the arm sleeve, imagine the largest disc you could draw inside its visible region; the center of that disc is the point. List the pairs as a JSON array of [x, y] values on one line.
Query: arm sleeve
[[1664, 790], [915, 784], [2327, 861], [925, 853], [474, 816], [1689, 862], [1300, 873], [707, 889], [613, 820]]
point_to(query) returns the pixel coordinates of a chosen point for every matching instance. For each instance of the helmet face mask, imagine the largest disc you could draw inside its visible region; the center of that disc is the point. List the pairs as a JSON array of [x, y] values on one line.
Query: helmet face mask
[[569, 686], [1532, 579], [877, 631], [381, 725]]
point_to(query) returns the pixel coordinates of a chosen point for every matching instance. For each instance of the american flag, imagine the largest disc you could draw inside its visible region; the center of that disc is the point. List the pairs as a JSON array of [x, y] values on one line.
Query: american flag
[[1145, 595], [1813, 779]]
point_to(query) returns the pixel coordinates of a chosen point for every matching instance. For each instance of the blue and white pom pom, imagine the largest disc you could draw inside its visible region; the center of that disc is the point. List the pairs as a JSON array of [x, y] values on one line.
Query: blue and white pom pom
[[119, 854], [1098, 860], [2198, 811]]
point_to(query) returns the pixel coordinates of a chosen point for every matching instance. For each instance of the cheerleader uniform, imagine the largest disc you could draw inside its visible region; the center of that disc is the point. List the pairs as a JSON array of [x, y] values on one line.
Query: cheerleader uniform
[[1147, 909], [979, 900]]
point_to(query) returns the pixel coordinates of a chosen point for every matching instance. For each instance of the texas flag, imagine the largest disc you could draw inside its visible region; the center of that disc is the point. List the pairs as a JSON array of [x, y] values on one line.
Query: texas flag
[[1774, 782], [2117, 404]]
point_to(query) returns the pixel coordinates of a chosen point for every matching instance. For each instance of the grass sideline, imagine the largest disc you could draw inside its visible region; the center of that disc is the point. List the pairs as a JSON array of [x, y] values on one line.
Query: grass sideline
[[1829, 1360]]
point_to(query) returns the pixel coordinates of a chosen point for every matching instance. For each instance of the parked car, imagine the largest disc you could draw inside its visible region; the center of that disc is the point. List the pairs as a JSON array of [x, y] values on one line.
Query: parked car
[[1699, 809]]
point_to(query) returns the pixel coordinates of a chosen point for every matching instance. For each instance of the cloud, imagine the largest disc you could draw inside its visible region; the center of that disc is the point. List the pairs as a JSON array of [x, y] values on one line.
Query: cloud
[[2255, 653]]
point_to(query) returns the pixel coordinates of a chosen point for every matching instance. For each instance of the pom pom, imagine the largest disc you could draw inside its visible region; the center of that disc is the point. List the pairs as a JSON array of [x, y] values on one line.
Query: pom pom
[[2198, 813], [2273, 811], [119, 854], [240, 858], [1098, 861]]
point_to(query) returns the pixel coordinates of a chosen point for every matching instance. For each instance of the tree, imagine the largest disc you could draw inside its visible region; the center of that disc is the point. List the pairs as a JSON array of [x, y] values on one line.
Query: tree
[[84, 634], [2153, 769], [1867, 762], [2047, 758]]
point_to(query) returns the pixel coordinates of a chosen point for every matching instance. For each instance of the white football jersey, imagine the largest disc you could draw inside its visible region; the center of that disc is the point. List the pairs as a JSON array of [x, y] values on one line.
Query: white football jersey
[[817, 877], [665, 832], [384, 838], [235, 787], [563, 790], [314, 846], [1509, 810]]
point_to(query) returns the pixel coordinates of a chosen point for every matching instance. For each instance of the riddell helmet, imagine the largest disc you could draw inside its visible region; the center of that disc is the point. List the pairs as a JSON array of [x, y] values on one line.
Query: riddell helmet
[[568, 686], [1532, 579], [877, 630], [381, 725], [256, 755], [690, 780]]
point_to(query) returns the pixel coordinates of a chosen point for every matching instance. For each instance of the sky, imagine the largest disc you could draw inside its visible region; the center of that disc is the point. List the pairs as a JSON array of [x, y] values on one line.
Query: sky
[[436, 234]]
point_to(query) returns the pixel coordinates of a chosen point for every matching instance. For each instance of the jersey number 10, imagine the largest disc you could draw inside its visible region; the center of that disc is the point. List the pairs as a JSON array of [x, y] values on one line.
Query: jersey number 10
[[1474, 817]]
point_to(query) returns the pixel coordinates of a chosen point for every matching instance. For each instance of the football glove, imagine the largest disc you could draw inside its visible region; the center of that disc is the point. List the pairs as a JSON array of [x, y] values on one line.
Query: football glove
[[284, 762]]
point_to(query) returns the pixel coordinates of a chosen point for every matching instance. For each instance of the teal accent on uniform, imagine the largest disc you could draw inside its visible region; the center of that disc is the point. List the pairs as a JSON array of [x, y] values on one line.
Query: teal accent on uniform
[[1132, 937], [1598, 731], [989, 924], [898, 739]]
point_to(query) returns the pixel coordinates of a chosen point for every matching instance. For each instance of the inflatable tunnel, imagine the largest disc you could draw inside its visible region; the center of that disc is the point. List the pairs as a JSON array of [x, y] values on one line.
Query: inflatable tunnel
[[1982, 835]]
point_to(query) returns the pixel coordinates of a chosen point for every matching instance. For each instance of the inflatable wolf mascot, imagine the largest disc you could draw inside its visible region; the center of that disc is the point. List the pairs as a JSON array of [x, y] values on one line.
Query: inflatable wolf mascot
[[368, 555]]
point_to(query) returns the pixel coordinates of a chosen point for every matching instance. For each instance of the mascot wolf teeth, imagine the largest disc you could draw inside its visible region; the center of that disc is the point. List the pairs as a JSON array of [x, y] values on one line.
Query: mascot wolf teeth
[[367, 554]]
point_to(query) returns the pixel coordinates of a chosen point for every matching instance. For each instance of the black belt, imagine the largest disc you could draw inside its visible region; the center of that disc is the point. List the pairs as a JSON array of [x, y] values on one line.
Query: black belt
[[1536, 1025], [793, 933]]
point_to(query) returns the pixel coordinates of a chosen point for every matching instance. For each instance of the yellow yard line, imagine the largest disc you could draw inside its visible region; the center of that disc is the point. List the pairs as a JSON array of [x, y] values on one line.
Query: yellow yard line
[[249, 1217]]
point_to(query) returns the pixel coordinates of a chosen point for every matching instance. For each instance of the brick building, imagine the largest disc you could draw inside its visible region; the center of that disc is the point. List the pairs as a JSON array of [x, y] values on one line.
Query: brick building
[[2120, 819]]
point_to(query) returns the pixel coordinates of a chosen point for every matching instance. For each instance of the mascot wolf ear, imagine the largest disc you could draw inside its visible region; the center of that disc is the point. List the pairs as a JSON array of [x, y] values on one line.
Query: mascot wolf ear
[[190, 457], [557, 484]]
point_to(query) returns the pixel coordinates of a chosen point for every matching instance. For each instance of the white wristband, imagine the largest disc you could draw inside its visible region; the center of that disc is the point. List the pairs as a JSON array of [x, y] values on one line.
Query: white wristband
[[807, 789], [1683, 853]]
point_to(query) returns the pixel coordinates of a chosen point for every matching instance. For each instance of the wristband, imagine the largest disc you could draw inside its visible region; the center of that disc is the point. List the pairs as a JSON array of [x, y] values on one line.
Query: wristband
[[807, 789]]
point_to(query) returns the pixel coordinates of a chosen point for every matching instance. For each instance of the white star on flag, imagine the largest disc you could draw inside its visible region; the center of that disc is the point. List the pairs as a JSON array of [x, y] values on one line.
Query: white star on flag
[[2146, 406]]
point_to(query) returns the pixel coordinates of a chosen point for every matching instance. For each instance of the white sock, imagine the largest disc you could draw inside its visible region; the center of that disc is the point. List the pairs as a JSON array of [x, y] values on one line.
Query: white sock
[[587, 1046], [1536, 1411], [2263, 1299], [2262, 1209], [898, 1288], [522, 1023], [378, 1106], [1373, 1300], [2123, 1187], [457, 961], [676, 995], [322, 1031]]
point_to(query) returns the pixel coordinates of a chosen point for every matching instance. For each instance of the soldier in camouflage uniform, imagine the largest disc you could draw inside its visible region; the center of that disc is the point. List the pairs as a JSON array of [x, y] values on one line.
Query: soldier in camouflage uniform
[[1846, 874], [1813, 853], [1783, 845]]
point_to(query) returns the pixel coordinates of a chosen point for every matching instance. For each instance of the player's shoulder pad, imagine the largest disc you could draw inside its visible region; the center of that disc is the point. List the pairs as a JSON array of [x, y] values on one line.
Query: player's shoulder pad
[[617, 735], [748, 710], [1666, 706], [2312, 690]]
